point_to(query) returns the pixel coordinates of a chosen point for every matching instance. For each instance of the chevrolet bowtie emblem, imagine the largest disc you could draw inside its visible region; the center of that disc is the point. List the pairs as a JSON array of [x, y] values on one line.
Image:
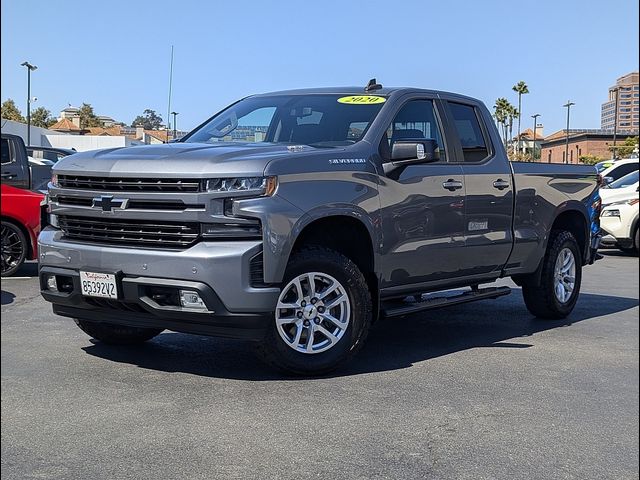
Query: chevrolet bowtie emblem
[[108, 203]]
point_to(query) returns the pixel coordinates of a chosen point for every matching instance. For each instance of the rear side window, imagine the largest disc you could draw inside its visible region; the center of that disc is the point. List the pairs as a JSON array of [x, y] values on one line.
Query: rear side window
[[467, 125], [616, 173], [6, 151]]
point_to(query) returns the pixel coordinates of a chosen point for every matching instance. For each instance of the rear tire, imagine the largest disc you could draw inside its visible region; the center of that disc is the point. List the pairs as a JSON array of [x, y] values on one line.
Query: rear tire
[[341, 297], [117, 334], [555, 297], [14, 248]]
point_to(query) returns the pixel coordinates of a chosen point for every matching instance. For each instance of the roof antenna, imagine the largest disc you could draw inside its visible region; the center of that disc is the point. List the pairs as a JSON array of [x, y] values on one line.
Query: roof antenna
[[372, 85]]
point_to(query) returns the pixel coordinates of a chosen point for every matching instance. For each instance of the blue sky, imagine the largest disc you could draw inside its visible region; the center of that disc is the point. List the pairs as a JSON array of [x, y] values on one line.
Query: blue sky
[[115, 55]]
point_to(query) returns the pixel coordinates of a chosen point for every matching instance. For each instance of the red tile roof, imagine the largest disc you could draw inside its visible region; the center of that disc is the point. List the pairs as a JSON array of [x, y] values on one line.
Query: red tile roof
[[64, 125]]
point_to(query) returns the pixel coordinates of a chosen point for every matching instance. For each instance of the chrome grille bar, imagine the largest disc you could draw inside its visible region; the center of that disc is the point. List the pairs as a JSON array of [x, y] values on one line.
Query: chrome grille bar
[[126, 184]]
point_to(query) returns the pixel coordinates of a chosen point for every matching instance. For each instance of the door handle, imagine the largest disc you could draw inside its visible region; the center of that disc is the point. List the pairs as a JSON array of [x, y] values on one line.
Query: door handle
[[500, 184], [452, 185], [8, 175]]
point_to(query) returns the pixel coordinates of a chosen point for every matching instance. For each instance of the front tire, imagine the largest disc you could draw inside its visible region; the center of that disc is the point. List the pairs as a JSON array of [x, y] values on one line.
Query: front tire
[[117, 334], [323, 314], [633, 250], [14, 248], [556, 295]]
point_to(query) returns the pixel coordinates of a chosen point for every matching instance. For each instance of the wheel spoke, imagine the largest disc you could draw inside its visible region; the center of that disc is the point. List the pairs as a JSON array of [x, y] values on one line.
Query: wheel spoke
[[334, 320], [288, 306], [330, 336], [286, 320], [336, 301], [299, 293], [312, 285], [298, 334], [330, 289], [309, 345]]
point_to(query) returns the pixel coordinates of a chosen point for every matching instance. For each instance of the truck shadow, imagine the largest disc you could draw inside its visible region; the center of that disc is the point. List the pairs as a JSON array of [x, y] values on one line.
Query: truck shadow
[[392, 344]]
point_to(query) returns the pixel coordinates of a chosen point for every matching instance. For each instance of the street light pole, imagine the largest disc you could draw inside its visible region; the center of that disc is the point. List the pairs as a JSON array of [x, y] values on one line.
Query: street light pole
[[566, 142], [615, 124], [174, 124], [30, 68], [535, 129]]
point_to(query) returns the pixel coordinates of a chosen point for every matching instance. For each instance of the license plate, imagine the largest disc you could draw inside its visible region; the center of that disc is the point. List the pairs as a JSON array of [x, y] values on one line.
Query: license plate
[[102, 285]]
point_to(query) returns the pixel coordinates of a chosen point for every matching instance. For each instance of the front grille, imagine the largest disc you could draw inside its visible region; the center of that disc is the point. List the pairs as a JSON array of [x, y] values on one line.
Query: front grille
[[177, 205], [143, 233], [129, 184]]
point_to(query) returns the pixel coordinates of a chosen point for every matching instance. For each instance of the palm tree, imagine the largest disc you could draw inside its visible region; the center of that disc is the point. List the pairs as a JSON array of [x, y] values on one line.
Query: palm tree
[[520, 88], [501, 108], [512, 112]]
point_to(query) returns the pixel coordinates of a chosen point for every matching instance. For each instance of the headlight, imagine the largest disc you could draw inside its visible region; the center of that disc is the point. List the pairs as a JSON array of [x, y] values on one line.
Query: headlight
[[54, 180], [260, 186], [611, 213]]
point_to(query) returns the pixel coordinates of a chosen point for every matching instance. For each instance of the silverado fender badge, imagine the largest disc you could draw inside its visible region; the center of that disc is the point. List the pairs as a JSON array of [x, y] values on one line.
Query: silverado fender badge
[[346, 161]]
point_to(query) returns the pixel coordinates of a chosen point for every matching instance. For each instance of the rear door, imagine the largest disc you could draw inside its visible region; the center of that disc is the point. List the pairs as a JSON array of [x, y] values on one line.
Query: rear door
[[13, 162], [489, 191]]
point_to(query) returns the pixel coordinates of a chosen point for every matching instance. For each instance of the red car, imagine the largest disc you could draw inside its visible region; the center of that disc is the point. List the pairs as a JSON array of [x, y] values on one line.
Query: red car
[[20, 211]]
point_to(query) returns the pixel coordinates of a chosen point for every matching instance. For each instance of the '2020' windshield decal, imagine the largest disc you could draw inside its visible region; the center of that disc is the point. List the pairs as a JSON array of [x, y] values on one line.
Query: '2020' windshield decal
[[362, 99]]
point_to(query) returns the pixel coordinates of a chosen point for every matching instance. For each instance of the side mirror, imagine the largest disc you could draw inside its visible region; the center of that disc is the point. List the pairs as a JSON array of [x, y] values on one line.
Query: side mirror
[[412, 151], [608, 180], [415, 151]]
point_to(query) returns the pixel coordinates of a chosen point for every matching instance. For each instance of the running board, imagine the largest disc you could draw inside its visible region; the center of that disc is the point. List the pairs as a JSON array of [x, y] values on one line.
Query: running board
[[396, 309]]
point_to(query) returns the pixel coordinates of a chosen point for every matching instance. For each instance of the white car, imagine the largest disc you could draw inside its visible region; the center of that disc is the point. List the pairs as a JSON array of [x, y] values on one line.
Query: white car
[[624, 188], [619, 169], [619, 221]]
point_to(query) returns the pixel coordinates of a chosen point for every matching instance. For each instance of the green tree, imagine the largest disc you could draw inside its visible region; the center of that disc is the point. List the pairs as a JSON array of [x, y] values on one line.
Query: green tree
[[87, 117], [629, 144], [41, 117], [10, 111], [149, 120], [520, 88], [590, 159]]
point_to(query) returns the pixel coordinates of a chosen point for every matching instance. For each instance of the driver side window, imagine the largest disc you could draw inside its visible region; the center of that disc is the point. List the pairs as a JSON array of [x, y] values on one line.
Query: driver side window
[[416, 120]]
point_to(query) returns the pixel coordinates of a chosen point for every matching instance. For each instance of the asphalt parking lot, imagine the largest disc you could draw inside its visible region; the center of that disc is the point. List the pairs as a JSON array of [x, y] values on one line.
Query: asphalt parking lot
[[475, 391]]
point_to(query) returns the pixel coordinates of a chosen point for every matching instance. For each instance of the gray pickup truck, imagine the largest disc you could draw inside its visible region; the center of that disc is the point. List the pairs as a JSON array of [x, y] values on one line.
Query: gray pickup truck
[[297, 219]]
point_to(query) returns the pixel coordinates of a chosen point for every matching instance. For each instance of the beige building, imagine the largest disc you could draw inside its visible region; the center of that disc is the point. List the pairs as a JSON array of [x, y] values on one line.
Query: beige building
[[627, 93]]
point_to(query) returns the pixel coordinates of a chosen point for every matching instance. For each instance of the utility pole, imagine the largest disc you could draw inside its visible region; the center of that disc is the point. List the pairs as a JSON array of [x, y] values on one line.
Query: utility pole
[[535, 129], [615, 124], [566, 142], [174, 124], [30, 68]]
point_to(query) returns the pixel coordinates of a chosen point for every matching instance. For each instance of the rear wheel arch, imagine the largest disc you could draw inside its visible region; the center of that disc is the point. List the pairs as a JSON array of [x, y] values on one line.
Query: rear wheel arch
[[575, 222]]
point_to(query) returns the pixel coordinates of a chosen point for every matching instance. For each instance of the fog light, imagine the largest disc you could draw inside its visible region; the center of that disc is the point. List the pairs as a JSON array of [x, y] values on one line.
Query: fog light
[[191, 299], [52, 284]]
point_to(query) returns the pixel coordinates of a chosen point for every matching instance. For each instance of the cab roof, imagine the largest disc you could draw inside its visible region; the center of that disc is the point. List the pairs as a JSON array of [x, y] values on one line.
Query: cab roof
[[385, 91]]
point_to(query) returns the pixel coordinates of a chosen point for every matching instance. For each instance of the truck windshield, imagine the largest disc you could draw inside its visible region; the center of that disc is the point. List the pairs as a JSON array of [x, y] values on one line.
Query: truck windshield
[[316, 120]]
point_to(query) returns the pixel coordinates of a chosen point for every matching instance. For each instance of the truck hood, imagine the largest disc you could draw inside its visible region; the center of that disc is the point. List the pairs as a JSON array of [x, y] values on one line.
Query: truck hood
[[186, 159]]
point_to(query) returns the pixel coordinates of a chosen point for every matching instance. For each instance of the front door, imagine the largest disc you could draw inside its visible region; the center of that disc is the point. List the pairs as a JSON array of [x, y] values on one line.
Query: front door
[[422, 210]]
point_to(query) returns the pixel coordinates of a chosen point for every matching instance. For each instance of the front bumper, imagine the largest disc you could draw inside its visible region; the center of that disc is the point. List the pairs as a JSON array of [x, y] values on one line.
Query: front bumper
[[219, 271]]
